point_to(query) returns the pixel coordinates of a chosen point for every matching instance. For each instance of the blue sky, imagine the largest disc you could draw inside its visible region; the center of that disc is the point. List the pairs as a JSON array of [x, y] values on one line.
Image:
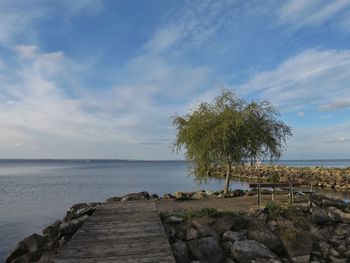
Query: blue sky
[[101, 79]]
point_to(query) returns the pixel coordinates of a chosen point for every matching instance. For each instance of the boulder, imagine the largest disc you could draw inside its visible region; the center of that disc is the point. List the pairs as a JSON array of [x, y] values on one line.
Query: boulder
[[84, 211], [344, 217], [223, 224], [136, 196], [28, 250], [227, 246], [113, 199], [204, 229], [251, 251], [20, 250], [207, 250], [297, 244], [168, 196], [51, 231], [170, 231], [199, 195], [154, 196], [263, 234], [209, 193], [79, 210], [174, 220], [33, 256], [240, 222], [337, 260], [180, 252], [232, 236], [191, 233], [34, 242], [343, 229], [179, 194], [69, 228], [320, 216]]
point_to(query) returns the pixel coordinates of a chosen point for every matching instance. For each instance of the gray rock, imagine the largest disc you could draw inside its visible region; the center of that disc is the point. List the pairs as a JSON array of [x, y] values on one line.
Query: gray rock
[[84, 211], [228, 260], [251, 251], [168, 196], [191, 234], [69, 228], [297, 245], [339, 215], [204, 229], [264, 235], [52, 231], [52, 228], [179, 194], [207, 250], [223, 224], [113, 199], [209, 193], [154, 196], [174, 220], [34, 242], [227, 246], [20, 250], [180, 252], [232, 236], [199, 195], [78, 210], [337, 260], [136, 196], [320, 216], [29, 257], [343, 229]]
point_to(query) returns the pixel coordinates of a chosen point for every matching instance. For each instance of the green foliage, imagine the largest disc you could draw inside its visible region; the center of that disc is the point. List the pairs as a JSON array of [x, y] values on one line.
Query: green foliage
[[228, 131], [274, 177], [273, 210], [212, 212]]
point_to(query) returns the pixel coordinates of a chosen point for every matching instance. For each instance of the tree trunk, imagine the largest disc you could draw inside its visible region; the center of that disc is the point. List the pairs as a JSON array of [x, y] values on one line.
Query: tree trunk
[[227, 180]]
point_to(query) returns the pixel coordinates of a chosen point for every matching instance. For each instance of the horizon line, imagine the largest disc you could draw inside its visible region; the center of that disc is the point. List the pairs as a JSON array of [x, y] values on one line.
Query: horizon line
[[146, 160]]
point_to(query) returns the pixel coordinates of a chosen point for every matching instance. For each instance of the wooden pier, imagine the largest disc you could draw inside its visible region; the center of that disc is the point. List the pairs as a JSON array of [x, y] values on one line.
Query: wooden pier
[[119, 232]]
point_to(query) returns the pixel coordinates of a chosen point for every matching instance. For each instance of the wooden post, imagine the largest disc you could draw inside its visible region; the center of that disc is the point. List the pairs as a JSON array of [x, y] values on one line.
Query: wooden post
[[310, 195], [259, 191], [273, 193], [291, 194]]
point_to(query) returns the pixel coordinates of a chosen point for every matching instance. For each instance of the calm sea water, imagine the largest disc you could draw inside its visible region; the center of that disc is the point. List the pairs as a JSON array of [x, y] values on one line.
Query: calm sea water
[[34, 193]]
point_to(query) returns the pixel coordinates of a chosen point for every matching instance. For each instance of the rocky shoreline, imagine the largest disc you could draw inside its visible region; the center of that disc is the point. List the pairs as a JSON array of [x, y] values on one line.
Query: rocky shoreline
[[319, 233], [335, 178], [276, 233]]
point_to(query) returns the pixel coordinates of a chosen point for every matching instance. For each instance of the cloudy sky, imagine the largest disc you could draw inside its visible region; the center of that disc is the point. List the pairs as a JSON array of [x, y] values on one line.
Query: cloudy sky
[[101, 79]]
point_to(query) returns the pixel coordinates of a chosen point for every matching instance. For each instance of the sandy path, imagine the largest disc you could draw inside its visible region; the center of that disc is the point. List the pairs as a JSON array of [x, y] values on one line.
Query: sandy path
[[238, 204]]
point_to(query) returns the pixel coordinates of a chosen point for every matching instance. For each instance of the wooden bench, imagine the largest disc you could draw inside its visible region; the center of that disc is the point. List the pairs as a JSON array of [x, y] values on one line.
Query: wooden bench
[[289, 185]]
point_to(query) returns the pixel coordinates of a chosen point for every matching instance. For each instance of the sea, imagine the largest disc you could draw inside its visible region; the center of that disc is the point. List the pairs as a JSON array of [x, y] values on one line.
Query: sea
[[35, 193]]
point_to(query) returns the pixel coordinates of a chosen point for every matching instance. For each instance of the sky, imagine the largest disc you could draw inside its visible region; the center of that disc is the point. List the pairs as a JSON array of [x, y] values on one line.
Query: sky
[[102, 79]]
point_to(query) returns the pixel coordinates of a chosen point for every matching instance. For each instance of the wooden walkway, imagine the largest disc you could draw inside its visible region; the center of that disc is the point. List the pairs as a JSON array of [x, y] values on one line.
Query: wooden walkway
[[119, 232]]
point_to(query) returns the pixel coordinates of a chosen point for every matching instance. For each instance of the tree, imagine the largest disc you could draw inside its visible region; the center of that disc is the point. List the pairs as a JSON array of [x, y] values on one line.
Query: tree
[[227, 132]]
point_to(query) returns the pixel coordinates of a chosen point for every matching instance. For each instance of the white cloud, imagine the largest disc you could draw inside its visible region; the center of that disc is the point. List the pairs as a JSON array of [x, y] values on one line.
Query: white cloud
[[18, 18], [304, 13], [336, 105], [41, 106], [313, 78], [320, 142], [26, 51], [301, 114]]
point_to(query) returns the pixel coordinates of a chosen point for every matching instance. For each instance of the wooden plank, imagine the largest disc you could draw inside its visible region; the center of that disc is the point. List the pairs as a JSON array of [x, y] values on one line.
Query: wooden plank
[[119, 232], [270, 185]]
